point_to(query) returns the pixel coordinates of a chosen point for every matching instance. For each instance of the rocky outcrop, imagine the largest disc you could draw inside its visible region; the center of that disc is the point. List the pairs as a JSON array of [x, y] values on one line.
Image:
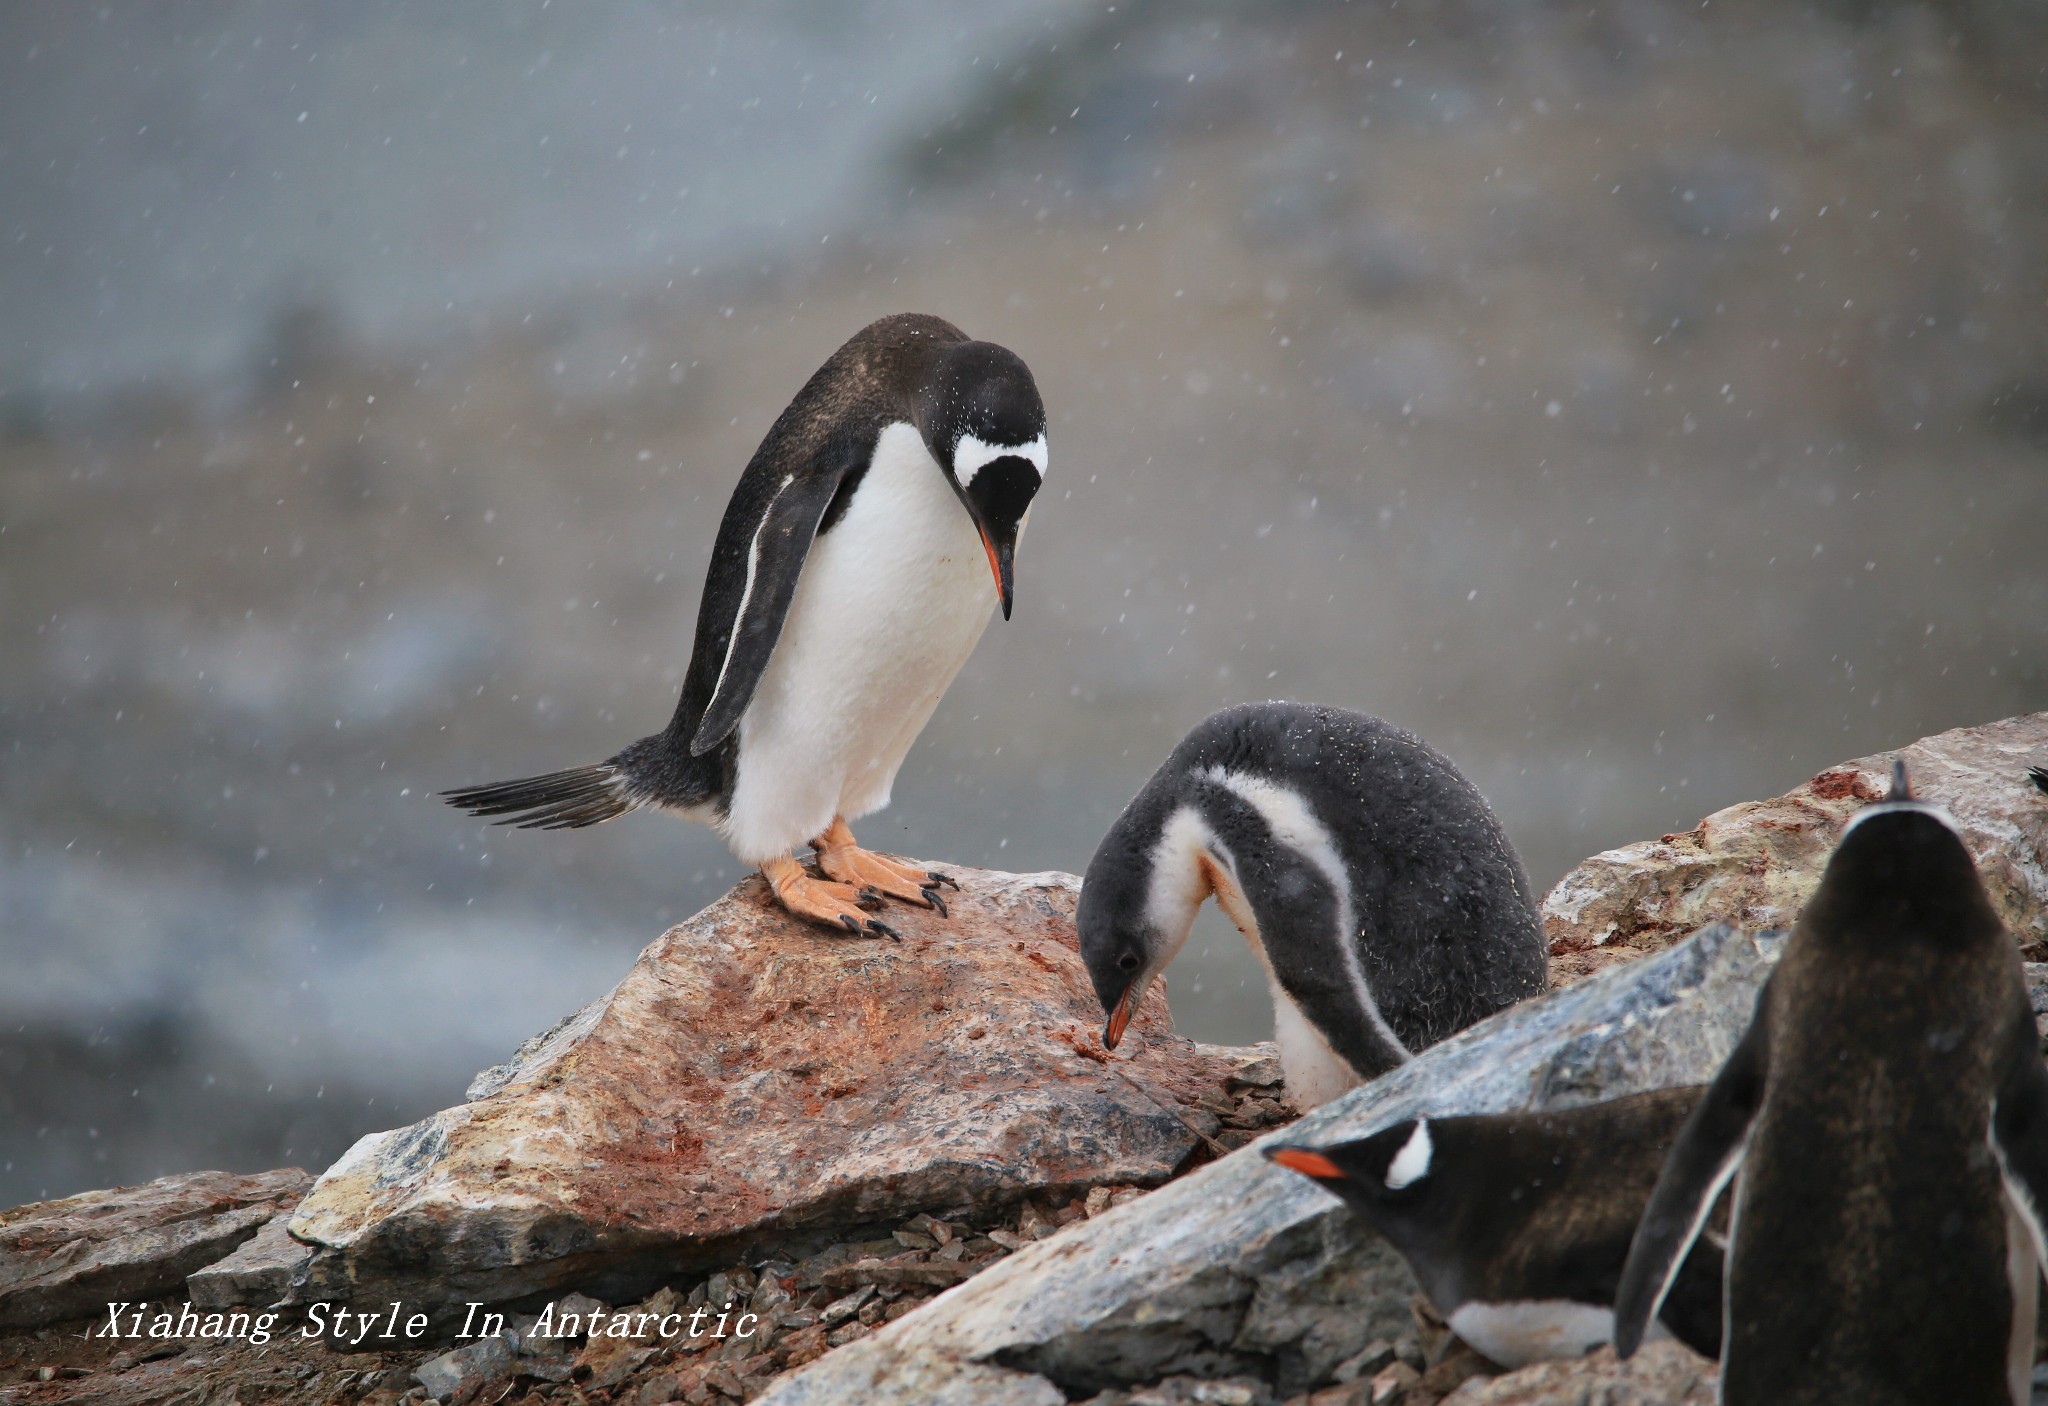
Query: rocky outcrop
[[70, 1258], [1754, 864], [1243, 1267], [754, 1078]]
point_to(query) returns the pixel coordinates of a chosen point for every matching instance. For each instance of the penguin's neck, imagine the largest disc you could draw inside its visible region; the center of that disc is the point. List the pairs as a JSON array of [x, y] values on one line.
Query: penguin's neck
[[1190, 863]]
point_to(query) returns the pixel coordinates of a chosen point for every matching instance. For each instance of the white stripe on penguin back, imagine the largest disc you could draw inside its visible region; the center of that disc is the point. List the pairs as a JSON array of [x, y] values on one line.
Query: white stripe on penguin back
[[1294, 824], [973, 454]]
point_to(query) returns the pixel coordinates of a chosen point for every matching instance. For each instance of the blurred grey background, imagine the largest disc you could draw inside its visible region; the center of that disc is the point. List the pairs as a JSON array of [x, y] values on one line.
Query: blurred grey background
[[1645, 401]]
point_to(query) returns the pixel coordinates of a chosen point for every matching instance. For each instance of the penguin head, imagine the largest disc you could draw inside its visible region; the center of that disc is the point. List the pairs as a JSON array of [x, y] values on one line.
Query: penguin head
[[983, 421], [1387, 1178], [1900, 871], [1138, 900]]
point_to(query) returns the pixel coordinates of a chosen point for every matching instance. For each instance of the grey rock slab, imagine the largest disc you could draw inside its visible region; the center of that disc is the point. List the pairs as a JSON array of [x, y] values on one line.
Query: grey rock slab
[[69, 1258], [754, 1080], [1242, 1266], [257, 1274]]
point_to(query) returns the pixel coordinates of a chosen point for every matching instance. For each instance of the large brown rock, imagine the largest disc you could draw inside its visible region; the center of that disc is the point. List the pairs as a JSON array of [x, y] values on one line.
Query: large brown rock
[[754, 1078], [1754, 864], [70, 1258]]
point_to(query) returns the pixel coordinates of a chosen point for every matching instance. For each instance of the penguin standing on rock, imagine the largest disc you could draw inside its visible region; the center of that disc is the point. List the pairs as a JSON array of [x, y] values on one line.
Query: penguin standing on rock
[[868, 542], [1369, 876], [1517, 1224], [1885, 1123]]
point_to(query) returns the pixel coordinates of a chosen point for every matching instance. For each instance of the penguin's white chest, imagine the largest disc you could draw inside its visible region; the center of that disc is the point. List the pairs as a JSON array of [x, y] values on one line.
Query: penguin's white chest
[[889, 605]]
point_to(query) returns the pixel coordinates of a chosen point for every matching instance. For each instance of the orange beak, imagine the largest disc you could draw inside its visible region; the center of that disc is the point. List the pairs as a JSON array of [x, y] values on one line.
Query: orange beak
[[1309, 1164], [1120, 1017], [999, 567]]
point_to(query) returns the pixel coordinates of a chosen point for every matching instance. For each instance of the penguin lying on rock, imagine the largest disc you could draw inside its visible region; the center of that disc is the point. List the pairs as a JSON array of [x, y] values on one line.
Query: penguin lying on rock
[[1372, 881], [1885, 1123], [850, 580], [1516, 1224]]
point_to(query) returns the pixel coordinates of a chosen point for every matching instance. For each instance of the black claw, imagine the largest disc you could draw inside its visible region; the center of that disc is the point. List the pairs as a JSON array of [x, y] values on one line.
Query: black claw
[[850, 923], [947, 879], [869, 898], [884, 930], [932, 900]]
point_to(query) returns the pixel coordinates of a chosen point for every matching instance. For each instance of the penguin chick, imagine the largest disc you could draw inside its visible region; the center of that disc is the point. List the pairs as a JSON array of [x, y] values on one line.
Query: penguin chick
[[868, 541], [1369, 876], [1885, 1123], [1516, 1225]]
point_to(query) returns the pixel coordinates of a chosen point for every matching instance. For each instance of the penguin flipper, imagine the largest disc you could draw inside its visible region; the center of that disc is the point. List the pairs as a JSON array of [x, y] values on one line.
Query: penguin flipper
[[775, 558], [2019, 1127], [1704, 1157]]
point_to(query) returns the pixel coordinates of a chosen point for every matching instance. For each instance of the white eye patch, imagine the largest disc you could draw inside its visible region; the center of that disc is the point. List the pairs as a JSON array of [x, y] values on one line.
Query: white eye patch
[[972, 455], [1411, 1163]]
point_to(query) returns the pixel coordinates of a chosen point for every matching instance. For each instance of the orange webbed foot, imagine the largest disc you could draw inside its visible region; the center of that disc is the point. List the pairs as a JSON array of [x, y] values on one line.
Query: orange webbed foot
[[823, 902], [847, 862]]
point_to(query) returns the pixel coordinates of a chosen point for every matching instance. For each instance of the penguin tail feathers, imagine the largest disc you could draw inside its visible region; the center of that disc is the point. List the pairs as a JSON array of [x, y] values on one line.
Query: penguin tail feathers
[[560, 800]]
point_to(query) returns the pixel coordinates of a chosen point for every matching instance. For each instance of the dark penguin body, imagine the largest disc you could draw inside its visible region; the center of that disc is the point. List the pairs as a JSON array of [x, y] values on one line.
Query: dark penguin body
[[1885, 1122], [1370, 877], [1516, 1225], [859, 559]]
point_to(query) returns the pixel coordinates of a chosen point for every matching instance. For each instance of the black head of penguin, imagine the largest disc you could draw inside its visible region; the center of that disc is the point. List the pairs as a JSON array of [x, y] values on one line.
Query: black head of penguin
[[1900, 874], [982, 419], [1123, 944]]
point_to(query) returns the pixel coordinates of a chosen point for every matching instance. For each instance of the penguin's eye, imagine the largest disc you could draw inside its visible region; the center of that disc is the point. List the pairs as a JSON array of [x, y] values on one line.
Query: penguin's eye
[[1129, 961]]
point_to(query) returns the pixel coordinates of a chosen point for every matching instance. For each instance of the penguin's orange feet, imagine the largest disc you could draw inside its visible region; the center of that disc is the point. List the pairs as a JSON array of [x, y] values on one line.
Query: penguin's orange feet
[[847, 862], [824, 902]]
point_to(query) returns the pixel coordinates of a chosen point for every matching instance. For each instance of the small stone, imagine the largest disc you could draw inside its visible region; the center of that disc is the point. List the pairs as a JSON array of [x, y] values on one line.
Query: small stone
[[1392, 1383], [657, 1390], [1367, 1361], [839, 1310], [938, 1230], [1353, 1393], [1034, 1224], [1457, 1366], [612, 1360], [1008, 1240], [911, 1240], [847, 1333], [1408, 1347], [468, 1370]]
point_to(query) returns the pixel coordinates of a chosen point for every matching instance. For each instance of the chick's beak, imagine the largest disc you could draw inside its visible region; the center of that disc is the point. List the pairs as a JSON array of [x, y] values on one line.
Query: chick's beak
[[1120, 1017]]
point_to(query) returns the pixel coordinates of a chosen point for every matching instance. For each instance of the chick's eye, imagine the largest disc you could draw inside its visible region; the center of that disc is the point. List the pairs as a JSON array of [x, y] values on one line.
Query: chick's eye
[[1129, 961]]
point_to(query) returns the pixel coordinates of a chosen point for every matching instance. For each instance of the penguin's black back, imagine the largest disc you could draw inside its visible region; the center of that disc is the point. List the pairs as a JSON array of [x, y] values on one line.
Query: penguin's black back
[[1449, 919], [1870, 1221]]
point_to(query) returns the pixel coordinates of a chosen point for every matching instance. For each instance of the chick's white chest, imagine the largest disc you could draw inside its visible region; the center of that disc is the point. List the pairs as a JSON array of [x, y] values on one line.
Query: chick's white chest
[[889, 605]]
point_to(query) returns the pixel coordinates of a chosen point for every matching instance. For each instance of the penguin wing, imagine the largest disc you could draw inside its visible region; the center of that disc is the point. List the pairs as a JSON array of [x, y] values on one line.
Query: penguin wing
[[2019, 1126], [1705, 1155], [775, 558]]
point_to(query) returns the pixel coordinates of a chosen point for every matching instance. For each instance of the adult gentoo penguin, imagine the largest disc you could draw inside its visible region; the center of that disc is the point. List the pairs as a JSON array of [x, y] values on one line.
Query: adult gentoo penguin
[[1372, 881], [1885, 1121], [1516, 1224], [858, 561]]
